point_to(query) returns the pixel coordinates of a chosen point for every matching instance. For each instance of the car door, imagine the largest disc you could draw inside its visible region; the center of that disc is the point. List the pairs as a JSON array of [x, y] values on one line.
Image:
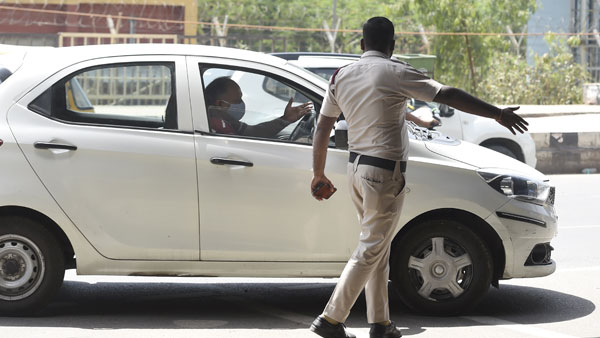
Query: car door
[[255, 201], [112, 141]]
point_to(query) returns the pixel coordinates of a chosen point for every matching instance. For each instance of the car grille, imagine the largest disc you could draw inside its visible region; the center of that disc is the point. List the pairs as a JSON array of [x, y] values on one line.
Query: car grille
[[550, 199]]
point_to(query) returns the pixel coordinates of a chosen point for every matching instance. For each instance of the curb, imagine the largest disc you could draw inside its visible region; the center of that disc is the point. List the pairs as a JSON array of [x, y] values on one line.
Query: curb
[[533, 111], [552, 114]]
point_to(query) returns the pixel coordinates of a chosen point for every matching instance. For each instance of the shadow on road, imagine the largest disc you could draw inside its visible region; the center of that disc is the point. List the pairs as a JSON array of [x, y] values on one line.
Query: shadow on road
[[109, 305]]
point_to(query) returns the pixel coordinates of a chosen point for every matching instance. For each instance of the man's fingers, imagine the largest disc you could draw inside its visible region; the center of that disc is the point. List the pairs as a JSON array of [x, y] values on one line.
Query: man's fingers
[[523, 120], [517, 128], [511, 129], [523, 126]]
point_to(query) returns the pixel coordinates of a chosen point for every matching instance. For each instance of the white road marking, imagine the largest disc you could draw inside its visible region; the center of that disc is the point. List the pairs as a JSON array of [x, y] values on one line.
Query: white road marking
[[579, 227], [527, 329], [579, 269]]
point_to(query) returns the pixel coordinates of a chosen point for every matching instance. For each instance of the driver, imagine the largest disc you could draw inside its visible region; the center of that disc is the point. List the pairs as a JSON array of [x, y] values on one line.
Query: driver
[[226, 108]]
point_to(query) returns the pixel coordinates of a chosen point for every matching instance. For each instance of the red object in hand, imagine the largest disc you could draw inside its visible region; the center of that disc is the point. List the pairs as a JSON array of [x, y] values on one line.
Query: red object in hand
[[323, 190]]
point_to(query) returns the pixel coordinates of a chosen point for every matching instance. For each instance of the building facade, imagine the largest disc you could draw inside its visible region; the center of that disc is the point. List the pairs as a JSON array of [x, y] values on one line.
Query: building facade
[[43, 22]]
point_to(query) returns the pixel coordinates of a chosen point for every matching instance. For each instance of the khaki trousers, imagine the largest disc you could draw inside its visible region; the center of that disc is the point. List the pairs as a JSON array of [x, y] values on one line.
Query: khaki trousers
[[378, 195]]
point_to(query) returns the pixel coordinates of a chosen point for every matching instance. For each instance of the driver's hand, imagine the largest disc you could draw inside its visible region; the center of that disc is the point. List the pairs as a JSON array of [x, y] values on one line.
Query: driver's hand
[[426, 122], [433, 123], [293, 114]]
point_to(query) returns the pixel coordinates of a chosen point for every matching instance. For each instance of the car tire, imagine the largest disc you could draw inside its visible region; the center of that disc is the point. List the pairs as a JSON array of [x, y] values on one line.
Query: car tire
[[502, 150], [440, 267], [32, 266]]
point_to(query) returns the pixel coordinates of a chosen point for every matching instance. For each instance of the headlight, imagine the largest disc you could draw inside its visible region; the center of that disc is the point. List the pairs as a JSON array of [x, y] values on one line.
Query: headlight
[[516, 186]]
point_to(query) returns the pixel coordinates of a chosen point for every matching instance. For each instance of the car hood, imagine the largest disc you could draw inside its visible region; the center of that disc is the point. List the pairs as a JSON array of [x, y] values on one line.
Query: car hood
[[478, 156]]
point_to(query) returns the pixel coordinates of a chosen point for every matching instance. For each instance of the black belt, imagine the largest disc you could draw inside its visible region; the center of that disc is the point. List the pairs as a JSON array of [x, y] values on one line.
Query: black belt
[[377, 162]]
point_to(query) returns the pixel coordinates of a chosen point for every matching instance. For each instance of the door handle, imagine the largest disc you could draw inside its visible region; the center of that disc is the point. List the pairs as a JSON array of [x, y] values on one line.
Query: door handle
[[51, 145], [226, 161]]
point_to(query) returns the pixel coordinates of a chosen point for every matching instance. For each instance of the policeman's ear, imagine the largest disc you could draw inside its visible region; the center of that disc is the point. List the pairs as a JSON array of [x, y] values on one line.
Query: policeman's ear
[[392, 46], [362, 45]]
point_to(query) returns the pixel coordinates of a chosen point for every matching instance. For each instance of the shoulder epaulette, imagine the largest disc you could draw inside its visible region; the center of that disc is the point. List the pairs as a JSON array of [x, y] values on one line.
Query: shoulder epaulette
[[399, 61], [332, 81]]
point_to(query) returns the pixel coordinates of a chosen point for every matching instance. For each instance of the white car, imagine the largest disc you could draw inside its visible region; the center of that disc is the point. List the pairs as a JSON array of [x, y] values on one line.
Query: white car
[[455, 123], [109, 166]]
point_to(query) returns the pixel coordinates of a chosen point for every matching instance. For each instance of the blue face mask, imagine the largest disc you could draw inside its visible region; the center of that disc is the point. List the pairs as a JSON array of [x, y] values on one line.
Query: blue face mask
[[237, 110]]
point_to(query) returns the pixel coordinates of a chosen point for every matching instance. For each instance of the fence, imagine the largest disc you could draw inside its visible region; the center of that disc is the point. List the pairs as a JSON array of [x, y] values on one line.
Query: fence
[[127, 85], [80, 39]]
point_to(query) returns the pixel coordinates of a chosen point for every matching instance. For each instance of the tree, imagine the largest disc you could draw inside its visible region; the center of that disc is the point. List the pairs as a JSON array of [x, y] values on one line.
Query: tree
[[464, 59], [299, 14], [489, 66], [555, 78]]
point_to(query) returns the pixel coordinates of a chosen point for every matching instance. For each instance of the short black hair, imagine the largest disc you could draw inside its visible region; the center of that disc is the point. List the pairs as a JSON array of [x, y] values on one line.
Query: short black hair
[[215, 90], [378, 33]]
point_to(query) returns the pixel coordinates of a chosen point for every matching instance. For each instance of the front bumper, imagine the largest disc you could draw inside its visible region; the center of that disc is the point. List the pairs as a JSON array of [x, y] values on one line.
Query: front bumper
[[526, 230]]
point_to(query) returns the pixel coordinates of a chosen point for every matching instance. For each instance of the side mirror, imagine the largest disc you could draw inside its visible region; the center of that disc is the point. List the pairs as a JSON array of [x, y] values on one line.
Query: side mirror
[[446, 111], [341, 135]]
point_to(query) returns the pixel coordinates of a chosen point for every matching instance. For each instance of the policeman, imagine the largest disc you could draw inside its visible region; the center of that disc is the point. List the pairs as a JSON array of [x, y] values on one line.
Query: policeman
[[372, 93]]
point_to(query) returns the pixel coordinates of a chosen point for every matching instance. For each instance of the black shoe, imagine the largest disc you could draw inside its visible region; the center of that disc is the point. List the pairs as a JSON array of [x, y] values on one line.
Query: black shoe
[[325, 329], [382, 331]]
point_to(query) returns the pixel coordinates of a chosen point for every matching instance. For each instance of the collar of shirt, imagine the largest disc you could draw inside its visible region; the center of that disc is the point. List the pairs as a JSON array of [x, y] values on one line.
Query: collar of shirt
[[374, 53]]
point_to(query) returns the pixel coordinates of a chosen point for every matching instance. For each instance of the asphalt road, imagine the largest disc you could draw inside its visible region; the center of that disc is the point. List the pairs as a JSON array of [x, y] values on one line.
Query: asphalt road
[[561, 305]]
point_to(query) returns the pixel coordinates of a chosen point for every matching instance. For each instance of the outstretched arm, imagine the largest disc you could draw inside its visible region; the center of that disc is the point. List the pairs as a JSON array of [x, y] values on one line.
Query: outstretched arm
[[464, 101]]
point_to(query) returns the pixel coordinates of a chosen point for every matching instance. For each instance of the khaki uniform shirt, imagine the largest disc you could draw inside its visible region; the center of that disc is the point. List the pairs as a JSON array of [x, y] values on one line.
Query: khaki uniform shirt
[[372, 93]]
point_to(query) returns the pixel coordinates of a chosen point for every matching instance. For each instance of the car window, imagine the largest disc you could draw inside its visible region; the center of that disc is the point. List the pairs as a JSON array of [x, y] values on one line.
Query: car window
[[135, 95], [252, 104]]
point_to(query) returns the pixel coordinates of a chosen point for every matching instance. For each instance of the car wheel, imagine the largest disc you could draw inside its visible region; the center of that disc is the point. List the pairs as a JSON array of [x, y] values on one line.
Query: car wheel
[[502, 150], [32, 266], [440, 267]]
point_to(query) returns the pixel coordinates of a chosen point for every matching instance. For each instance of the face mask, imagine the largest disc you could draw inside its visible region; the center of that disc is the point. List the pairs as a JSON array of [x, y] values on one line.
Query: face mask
[[237, 110]]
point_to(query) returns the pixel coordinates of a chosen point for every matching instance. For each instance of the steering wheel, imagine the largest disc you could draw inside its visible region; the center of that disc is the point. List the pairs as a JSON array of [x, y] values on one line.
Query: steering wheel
[[304, 127]]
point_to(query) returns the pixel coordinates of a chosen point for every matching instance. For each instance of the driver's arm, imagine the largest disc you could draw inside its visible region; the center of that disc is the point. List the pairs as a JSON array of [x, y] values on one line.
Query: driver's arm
[[266, 129], [270, 128], [421, 122]]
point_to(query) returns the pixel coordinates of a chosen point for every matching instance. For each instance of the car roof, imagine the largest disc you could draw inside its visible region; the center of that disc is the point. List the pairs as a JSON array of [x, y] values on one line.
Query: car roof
[[297, 55], [71, 55], [41, 62], [309, 61]]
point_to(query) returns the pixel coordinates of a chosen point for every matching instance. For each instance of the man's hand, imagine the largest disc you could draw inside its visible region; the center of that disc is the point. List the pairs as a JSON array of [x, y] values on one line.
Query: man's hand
[[512, 121], [293, 114], [422, 121], [315, 182]]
